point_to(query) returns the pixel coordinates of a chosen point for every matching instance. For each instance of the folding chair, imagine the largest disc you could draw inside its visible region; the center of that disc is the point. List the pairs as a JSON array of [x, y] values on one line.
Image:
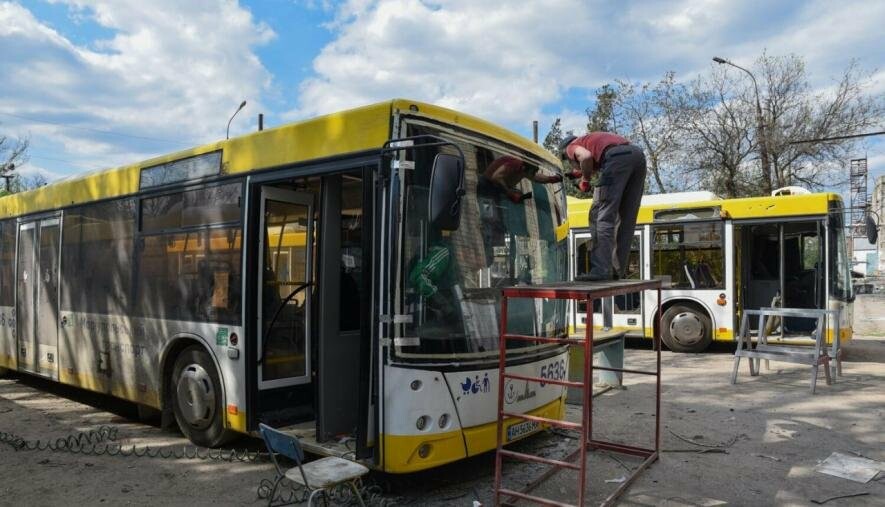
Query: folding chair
[[315, 476]]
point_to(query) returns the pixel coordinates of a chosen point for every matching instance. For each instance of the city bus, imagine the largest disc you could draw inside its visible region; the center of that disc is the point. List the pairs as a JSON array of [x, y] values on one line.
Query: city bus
[[338, 278], [718, 257]]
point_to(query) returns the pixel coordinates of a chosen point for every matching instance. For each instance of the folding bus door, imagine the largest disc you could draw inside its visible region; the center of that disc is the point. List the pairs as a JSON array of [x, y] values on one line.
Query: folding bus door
[[37, 296]]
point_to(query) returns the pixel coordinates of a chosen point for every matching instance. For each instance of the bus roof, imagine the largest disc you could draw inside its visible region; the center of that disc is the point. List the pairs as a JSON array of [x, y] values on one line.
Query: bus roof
[[739, 209], [351, 131]]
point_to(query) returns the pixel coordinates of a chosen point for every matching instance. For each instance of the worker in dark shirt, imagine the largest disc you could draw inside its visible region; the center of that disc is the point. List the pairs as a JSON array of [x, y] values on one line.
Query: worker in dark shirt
[[618, 169]]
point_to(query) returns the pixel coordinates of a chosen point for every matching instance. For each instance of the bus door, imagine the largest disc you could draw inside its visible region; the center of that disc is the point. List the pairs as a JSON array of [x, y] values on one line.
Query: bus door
[[285, 288], [627, 311], [37, 296], [580, 258], [783, 265]]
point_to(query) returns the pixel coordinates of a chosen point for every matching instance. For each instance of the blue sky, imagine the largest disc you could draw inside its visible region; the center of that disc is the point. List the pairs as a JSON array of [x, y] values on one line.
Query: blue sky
[[97, 83]]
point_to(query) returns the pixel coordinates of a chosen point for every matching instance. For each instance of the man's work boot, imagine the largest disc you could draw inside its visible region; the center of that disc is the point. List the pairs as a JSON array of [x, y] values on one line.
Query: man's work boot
[[592, 277]]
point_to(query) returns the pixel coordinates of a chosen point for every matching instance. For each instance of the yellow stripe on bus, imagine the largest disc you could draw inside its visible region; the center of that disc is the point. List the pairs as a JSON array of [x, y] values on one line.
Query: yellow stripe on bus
[[750, 207]]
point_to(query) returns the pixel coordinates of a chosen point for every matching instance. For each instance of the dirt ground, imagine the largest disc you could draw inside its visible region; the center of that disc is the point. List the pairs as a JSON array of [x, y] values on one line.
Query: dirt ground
[[767, 434]]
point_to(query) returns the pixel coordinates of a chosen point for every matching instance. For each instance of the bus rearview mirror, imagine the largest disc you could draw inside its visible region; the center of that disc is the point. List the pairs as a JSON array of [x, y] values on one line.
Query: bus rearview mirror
[[446, 191], [872, 229]]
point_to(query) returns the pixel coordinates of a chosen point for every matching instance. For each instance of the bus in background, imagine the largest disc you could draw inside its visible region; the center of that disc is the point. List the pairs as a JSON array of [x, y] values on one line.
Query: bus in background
[[338, 278], [721, 256]]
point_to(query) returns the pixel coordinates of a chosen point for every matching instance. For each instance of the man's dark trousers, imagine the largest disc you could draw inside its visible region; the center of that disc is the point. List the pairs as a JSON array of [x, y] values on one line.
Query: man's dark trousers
[[615, 206]]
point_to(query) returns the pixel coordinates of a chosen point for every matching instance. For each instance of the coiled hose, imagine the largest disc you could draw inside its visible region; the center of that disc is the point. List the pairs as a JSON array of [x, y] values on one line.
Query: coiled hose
[[103, 442]]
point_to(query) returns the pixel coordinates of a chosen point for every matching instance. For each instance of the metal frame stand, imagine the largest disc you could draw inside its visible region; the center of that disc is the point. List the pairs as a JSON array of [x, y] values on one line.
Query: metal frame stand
[[815, 357], [588, 291]]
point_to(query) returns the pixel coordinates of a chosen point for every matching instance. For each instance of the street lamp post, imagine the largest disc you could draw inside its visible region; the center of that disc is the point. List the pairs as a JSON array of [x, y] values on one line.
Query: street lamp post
[[760, 123], [242, 105]]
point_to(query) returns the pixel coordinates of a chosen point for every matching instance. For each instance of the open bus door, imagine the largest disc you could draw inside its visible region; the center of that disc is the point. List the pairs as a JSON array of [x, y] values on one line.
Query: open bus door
[[312, 255]]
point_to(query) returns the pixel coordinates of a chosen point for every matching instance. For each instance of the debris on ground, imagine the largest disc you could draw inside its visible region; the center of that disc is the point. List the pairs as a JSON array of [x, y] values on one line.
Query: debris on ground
[[853, 468], [821, 501]]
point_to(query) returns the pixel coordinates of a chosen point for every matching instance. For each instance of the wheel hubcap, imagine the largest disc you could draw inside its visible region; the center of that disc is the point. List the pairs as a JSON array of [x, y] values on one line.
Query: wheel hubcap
[[196, 396], [687, 328]]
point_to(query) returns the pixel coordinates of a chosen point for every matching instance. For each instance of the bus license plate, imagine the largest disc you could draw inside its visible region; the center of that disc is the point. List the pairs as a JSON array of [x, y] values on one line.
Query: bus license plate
[[521, 429]]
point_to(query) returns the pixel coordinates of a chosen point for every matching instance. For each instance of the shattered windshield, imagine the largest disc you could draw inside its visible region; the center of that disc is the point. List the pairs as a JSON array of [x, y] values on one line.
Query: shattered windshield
[[512, 231]]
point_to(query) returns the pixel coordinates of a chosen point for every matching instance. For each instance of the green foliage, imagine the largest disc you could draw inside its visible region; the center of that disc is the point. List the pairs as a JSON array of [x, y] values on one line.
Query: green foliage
[[601, 117]]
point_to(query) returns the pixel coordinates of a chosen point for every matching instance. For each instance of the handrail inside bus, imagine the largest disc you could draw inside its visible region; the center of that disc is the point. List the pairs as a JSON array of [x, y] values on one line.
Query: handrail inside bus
[[276, 314]]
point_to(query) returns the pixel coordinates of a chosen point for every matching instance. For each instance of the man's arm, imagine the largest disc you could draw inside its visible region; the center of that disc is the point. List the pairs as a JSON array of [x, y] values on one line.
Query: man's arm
[[585, 160]]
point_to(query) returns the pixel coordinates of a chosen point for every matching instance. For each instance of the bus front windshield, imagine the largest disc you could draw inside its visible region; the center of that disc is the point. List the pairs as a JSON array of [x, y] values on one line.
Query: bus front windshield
[[512, 231]]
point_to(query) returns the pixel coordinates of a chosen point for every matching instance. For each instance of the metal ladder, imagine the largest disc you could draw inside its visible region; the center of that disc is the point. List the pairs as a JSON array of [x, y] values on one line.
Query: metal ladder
[[588, 291]]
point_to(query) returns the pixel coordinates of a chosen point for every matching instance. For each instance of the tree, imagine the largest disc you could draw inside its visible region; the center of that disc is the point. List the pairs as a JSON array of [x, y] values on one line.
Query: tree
[[13, 152], [793, 112], [554, 137], [705, 133], [24, 182], [602, 115], [715, 118], [720, 120], [642, 110]]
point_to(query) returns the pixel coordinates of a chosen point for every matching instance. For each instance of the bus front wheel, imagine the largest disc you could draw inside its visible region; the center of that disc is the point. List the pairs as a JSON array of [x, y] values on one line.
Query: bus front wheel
[[686, 329], [197, 398]]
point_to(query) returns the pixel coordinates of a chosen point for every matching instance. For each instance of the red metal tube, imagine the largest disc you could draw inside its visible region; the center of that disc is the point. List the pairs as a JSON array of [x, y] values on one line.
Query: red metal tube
[[502, 354]]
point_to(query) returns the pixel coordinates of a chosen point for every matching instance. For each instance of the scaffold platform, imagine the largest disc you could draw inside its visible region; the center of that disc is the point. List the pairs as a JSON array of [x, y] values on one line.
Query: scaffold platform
[[576, 291]]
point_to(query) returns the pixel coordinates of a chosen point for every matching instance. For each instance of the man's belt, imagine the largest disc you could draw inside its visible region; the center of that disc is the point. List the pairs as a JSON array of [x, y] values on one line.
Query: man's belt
[[605, 150]]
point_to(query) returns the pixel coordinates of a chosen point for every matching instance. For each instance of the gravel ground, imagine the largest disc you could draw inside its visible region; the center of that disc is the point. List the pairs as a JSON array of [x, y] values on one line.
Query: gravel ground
[[767, 434]]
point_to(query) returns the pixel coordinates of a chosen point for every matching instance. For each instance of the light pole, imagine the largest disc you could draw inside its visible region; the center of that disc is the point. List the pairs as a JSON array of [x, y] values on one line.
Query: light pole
[[242, 105], [760, 123]]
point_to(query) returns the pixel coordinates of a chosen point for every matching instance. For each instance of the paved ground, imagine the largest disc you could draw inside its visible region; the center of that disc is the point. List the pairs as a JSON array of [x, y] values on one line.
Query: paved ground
[[767, 432]]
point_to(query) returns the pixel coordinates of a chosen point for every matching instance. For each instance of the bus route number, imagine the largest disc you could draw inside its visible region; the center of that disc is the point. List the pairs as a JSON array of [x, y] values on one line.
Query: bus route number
[[553, 371]]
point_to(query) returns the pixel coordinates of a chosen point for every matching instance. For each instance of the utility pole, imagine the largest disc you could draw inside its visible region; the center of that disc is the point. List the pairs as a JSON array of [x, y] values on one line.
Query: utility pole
[[762, 139], [6, 173]]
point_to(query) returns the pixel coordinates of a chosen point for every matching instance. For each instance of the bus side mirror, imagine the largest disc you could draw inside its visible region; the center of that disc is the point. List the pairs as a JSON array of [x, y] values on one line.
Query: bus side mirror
[[446, 191], [872, 228]]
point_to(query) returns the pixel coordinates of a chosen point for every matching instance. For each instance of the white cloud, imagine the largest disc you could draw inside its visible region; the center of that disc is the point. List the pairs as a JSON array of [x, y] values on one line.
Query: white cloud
[[510, 61], [171, 70], [492, 59]]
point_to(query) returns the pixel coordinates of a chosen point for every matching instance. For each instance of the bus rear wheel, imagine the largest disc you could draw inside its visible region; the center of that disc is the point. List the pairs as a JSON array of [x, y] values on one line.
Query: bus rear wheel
[[686, 329], [197, 398]]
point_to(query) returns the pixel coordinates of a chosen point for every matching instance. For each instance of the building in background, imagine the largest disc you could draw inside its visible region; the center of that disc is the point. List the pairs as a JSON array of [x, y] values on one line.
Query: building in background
[[877, 203]]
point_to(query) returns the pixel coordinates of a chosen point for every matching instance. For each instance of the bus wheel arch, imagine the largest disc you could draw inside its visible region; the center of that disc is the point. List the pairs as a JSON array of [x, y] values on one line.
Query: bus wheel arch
[[193, 394], [686, 326]]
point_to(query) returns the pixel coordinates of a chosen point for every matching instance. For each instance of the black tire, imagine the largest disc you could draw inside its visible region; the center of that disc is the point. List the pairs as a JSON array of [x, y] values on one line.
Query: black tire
[[686, 329], [197, 398]]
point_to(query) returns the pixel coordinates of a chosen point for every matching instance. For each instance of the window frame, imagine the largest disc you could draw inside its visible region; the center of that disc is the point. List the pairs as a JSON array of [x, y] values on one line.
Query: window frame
[[653, 258]]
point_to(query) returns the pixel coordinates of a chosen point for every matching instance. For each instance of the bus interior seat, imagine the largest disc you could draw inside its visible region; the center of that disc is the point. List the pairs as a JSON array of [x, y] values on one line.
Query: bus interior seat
[[705, 274]]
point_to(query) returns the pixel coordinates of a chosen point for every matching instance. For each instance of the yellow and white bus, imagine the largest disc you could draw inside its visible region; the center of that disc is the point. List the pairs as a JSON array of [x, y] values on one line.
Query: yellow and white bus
[[722, 256], [337, 277]]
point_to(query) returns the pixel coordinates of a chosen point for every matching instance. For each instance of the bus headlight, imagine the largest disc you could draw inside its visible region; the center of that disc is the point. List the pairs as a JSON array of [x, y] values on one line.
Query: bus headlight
[[423, 422], [444, 421]]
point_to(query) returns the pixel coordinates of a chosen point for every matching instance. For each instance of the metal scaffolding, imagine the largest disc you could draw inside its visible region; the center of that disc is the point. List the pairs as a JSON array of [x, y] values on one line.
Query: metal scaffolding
[[859, 200], [577, 460]]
